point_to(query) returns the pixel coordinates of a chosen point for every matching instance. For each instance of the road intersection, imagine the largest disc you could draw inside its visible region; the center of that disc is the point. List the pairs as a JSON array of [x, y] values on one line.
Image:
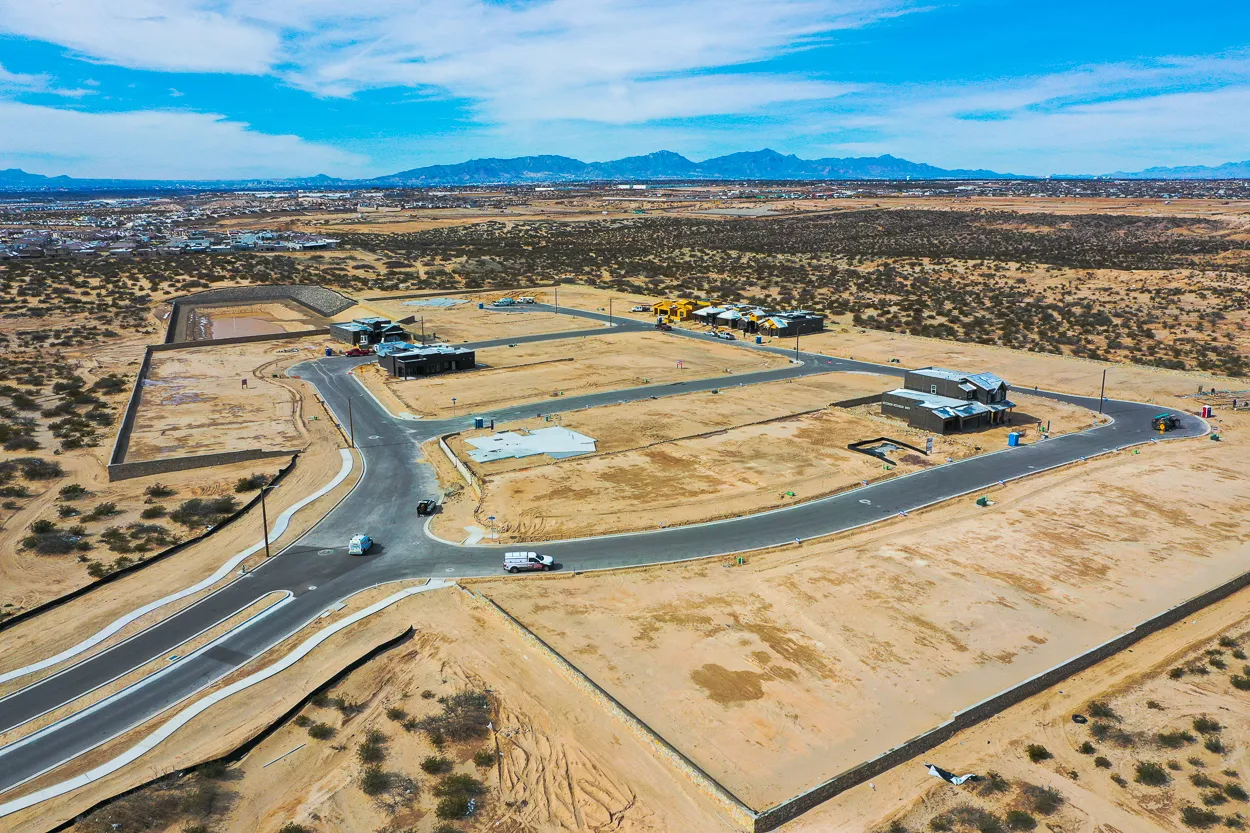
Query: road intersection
[[317, 572]]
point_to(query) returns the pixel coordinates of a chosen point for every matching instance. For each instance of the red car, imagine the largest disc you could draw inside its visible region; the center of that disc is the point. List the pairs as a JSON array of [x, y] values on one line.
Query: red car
[[359, 351]]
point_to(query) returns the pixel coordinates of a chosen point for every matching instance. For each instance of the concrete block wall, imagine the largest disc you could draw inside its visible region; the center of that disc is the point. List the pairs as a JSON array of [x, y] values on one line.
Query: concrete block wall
[[121, 442], [219, 342], [470, 479], [730, 807], [438, 293], [143, 468], [324, 302]]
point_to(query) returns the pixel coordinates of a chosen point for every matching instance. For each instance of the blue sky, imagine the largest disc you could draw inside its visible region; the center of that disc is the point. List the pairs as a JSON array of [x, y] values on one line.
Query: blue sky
[[240, 88]]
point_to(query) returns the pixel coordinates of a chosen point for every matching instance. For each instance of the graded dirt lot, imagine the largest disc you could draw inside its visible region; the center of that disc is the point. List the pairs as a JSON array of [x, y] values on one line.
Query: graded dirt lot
[[541, 371], [463, 321], [232, 320], [704, 456], [561, 765], [782, 673], [195, 401]]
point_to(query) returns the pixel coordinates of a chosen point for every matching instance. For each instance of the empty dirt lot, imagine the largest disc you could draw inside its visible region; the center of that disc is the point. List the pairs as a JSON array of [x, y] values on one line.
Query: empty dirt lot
[[704, 456], [539, 372], [463, 321], [195, 402], [782, 673]]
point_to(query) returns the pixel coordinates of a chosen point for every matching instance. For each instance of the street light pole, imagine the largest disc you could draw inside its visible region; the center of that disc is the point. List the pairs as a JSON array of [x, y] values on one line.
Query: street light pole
[[351, 424], [1103, 391], [609, 312], [796, 347], [423, 331], [264, 518], [453, 407], [557, 296]]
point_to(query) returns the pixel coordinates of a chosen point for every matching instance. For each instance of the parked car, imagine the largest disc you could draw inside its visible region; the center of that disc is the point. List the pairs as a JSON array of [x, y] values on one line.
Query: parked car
[[514, 562], [663, 325], [526, 300], [426, 507], [640, 308], [359, 545], [359, 351], [504, 302], [725, 335]]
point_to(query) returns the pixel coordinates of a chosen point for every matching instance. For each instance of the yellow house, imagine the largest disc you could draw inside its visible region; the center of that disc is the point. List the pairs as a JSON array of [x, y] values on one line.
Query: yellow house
[[662, 307]]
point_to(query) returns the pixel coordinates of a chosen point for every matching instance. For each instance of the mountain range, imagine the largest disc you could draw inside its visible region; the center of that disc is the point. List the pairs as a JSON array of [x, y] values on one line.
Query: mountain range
[[659, 166]]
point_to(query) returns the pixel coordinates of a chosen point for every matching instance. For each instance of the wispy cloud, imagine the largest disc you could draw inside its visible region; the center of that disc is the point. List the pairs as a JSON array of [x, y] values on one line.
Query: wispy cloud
[[157, 144], [17, 82]]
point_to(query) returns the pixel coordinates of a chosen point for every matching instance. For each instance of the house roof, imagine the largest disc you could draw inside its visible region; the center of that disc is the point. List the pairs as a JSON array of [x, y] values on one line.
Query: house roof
[[985, 381], [947, 407]]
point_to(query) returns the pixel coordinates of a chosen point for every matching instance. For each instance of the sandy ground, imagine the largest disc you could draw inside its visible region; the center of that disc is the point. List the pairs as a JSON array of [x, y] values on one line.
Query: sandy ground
[[254, 319], [1128, 682], [562, 765], [706, 456], [67, 625], [538, 372], [194, 401], [779, 674], [465, 322]]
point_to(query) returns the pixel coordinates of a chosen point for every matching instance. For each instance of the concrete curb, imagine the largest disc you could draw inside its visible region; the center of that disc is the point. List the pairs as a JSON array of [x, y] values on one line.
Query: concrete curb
[[194, 710], [280, 526]]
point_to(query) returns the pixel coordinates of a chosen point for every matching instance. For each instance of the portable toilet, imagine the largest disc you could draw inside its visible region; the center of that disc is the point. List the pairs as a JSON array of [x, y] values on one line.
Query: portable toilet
[[1013, 439], [759, 339], [329, 351], [479, 422], [481, 305]]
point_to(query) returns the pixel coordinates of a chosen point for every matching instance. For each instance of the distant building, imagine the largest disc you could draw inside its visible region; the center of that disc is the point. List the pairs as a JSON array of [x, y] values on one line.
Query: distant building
[[427, 361], [947, 401], [363, 332]]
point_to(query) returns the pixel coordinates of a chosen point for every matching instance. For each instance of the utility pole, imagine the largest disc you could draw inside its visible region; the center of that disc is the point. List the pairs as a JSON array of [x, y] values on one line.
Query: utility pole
[[423, 331], [796, 347], [1103, 391], [557, 295], [351, 423], [609, 312], [453, 407], [264, 518]]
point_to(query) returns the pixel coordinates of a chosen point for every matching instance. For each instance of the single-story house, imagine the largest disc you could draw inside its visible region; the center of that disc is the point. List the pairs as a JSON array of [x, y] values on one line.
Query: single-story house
[[427, 361], [947, 401]]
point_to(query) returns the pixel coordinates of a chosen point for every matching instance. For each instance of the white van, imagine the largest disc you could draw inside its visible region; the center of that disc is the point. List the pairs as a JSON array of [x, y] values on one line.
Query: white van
[[359, 545], [527, 300], [514, 562]]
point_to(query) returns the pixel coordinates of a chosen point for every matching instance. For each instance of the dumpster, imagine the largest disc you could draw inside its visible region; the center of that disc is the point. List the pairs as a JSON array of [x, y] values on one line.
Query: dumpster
[[1013, 439]]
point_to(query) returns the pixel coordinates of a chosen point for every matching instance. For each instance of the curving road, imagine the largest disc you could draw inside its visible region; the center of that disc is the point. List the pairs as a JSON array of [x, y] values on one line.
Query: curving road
[[317, 571]]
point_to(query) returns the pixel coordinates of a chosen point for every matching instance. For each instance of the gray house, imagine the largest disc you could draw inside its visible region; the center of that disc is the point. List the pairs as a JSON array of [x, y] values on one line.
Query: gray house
[[362, 332], [427, 361], [947, 401]]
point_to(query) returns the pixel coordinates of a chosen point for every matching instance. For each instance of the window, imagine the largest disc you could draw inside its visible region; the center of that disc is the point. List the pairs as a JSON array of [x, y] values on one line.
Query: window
[[933, 389]]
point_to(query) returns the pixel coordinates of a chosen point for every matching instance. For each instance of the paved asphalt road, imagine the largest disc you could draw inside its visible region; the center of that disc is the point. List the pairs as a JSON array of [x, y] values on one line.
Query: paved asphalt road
[[318, 572]]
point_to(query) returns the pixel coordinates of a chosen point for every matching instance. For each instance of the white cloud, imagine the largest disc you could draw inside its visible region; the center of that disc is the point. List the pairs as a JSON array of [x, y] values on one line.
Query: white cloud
[[155, 144], [17, 82], [606, 60]]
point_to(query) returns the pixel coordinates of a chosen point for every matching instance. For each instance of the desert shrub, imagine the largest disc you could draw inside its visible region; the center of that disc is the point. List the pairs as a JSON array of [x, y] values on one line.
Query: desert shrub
[[1216, 662], [201, 512], [33, 468], [1020, 820], [1174, 765], [979, 819], [1214, 798], [151, 512], [67, 511], [321, 700], [22, 442], [992, 784], [1102, 710], [196, 828], [159, 806], [1102, 763], [1151, 774], [1214, 744], [159, 490], [55, 542], [1112, 734], [1239, 654], [1198, 817], [427, 695], [1038, 753], [941, 823], [1154, 704], [397, 714], [251, 483], [464, 717], [484, 758], [1199, 779], [373, 781], [1119, 779], [104, 509], [321, 731], [370, 752], [42, 526], [1236, 792], [303, 721], [1044, 800], [1176, 673], [456, 792], [436, 765], [1227, 642], [1196, 762], [1176, 739], [1206, 726], [1239, 682], [446, 828], [292, 827]]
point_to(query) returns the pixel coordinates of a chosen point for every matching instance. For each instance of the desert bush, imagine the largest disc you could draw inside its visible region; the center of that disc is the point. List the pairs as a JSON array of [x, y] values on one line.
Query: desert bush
[[1119, 779], [1151, 774], [1102, 763], [303, 721], [1175, 739], [1206, 726], [150, 512], [292, 827], [436, 765], [371, 752], [977, 818], [159, 490], [1044, 800], [1020, 820], [484, 758], [456, 792], [72, 491], [202, 512], [464, 717], [321, 731], [1236, 792], [1198, 817], [1214, 798], [33, 468], [251, 483], [373, 781], [104, 509], [1102, 710], [1202, 780], [1239, 682], [1037, 753], [1214, 744], [397, 714], [22, 442]]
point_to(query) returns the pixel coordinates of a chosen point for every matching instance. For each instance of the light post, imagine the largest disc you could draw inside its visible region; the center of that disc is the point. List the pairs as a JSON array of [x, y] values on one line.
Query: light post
[[1103, 390], [557, 296], [609, 312], [351, 424], [423, 331], [453, 407], [264, 518], [796, 347]]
